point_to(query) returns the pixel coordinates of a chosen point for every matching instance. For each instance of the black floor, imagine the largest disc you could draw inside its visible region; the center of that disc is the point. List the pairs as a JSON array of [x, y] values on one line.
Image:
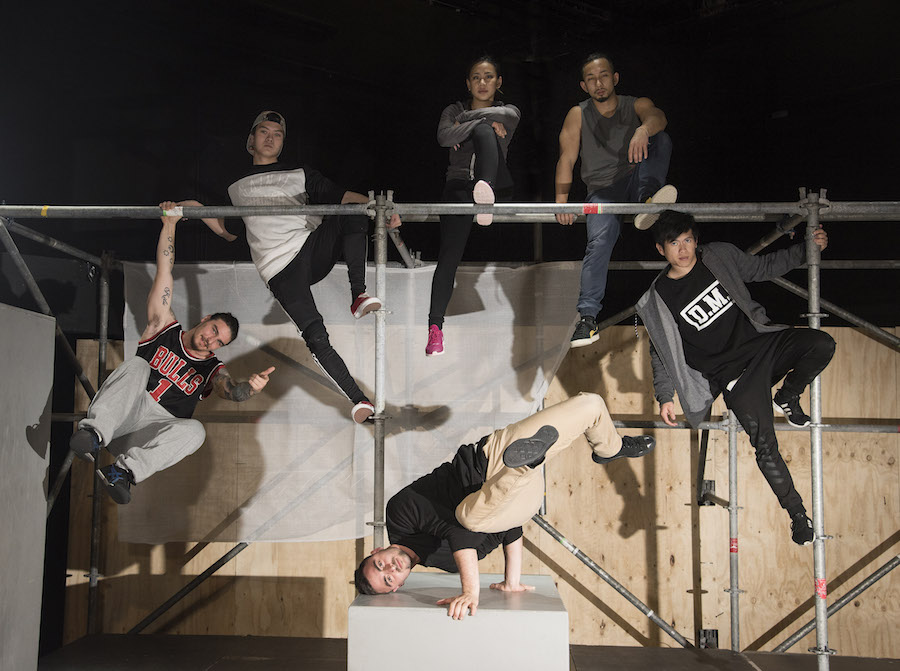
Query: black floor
[[257, 653]]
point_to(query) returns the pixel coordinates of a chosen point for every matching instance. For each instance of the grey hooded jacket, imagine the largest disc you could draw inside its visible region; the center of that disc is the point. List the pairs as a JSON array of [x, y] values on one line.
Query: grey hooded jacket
[[733, 268], [462, 160]]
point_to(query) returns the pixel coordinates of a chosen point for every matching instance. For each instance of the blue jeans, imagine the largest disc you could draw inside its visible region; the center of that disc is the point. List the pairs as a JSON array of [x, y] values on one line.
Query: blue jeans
[[603, 229]]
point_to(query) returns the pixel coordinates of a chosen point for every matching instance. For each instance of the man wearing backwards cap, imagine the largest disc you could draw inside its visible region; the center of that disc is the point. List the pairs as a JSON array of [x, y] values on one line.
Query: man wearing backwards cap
[[293, 252]]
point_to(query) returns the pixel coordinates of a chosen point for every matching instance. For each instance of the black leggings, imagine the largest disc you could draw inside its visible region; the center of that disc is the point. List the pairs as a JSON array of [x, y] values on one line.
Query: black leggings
[[292, 287], [455, 228], [803, 352]]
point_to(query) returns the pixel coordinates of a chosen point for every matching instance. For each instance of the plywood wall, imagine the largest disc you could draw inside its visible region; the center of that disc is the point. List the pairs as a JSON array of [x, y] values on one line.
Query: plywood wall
[[636, 518]]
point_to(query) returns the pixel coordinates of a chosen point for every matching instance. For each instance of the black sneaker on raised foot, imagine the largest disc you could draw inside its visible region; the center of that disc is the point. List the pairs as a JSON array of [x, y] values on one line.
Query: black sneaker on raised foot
[[585, 332], [801, 529], [632, 446], [118, 482], [85, 443], [530, 451], [789, 406]]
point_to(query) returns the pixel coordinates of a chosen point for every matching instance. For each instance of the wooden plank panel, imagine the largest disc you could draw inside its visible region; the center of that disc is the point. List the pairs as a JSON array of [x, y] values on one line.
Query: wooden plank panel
[[635, 518]]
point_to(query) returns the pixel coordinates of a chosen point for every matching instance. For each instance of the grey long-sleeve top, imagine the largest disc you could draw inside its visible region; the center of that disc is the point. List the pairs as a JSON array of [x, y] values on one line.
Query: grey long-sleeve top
[[733, 268], [462, 160]]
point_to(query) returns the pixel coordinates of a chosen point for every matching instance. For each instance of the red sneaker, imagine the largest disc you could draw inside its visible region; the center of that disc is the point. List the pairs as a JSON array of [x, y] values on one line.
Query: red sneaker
[[364, 304]]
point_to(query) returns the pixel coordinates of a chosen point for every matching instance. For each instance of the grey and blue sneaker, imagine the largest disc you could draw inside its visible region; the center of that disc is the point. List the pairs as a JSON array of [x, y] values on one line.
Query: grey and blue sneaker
[[118, 482], [85, 443]]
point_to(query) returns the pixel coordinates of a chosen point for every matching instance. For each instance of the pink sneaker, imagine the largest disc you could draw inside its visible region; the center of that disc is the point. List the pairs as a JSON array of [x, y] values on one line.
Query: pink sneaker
[[362, 411], [435, 346], [483, 194], [364, 304]]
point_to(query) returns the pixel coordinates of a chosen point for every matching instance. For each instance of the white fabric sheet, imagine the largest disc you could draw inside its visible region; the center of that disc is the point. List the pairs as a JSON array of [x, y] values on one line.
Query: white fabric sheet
[[290, 464]]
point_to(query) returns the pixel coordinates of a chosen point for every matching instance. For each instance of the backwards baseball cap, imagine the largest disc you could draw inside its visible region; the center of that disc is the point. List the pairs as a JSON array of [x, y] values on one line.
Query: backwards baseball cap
[[268, 115]]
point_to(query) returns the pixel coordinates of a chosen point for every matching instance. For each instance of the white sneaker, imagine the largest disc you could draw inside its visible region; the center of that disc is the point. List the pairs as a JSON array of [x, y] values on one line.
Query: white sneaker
[[362, 411]]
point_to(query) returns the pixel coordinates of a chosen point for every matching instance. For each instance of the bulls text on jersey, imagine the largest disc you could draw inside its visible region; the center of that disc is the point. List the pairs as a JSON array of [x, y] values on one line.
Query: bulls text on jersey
[[169, 365]]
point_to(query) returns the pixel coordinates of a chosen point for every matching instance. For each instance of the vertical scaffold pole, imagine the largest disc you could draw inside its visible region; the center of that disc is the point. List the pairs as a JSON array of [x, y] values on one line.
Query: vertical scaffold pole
[[734, 585], [815, 436], [381, 207], [93, 626]]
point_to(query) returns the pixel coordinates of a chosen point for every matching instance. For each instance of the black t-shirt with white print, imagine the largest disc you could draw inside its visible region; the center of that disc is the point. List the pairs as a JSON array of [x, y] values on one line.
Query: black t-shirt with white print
[[719, 340], [422, 515]]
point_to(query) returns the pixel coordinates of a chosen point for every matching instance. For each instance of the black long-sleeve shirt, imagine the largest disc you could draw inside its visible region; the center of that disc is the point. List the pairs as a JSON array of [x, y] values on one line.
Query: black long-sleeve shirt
[[422, 515]]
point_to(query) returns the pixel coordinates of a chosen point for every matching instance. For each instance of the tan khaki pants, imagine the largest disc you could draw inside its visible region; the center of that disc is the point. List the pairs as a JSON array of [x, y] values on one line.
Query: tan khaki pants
[[509, 497]]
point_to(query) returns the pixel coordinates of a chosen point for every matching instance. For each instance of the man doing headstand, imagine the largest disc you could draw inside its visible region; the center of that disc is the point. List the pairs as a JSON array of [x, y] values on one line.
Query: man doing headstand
[[465, 508]]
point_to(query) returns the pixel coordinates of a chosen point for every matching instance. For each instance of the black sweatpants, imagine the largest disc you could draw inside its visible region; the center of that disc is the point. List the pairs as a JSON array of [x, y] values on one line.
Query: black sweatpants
[[336, 236], [800, 355], [455, 228]]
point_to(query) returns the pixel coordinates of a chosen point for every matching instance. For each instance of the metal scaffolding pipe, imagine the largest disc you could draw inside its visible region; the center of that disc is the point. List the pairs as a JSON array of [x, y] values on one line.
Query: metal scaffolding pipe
[[889, 426], [612, 582], [880, 264], [868, 327], [402, 249], [97, 496], [734, 590], [154, 212], [549, 209], [44, 307], [616, 318], [786, 225], [840, 603], [381, 217], [187, 589], [53, 243], [869, 210], [813, 254]]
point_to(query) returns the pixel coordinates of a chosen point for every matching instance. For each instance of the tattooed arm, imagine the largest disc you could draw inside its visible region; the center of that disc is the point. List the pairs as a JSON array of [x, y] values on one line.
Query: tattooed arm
[[227, 388], [159, 300]]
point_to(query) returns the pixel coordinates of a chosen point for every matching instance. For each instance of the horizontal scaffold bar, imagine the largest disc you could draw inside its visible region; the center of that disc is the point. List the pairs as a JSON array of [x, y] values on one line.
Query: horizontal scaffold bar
[[872, 210], [268, 417]]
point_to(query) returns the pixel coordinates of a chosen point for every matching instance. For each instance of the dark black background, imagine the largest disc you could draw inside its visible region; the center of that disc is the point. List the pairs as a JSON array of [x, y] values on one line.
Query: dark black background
[[136, 102]]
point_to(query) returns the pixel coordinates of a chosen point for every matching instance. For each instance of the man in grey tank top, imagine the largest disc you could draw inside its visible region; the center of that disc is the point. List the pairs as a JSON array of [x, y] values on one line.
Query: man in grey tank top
[[624, 159]]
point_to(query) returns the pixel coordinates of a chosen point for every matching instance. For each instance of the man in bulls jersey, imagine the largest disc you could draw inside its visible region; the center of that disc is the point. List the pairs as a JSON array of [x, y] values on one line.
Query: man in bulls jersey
[[294, 252], [142, 413], [708, 336]]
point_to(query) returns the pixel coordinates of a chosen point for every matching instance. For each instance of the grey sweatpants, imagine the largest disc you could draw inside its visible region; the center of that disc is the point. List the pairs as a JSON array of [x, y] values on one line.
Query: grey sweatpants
[[144, 437]]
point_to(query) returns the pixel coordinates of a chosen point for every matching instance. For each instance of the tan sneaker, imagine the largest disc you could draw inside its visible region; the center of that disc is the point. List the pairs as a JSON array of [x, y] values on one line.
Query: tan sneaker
[[483, 194], [667, 194]]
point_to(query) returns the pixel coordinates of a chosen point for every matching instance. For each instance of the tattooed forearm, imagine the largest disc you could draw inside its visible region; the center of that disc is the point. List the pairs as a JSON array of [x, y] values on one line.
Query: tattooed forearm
[[170, 251]]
